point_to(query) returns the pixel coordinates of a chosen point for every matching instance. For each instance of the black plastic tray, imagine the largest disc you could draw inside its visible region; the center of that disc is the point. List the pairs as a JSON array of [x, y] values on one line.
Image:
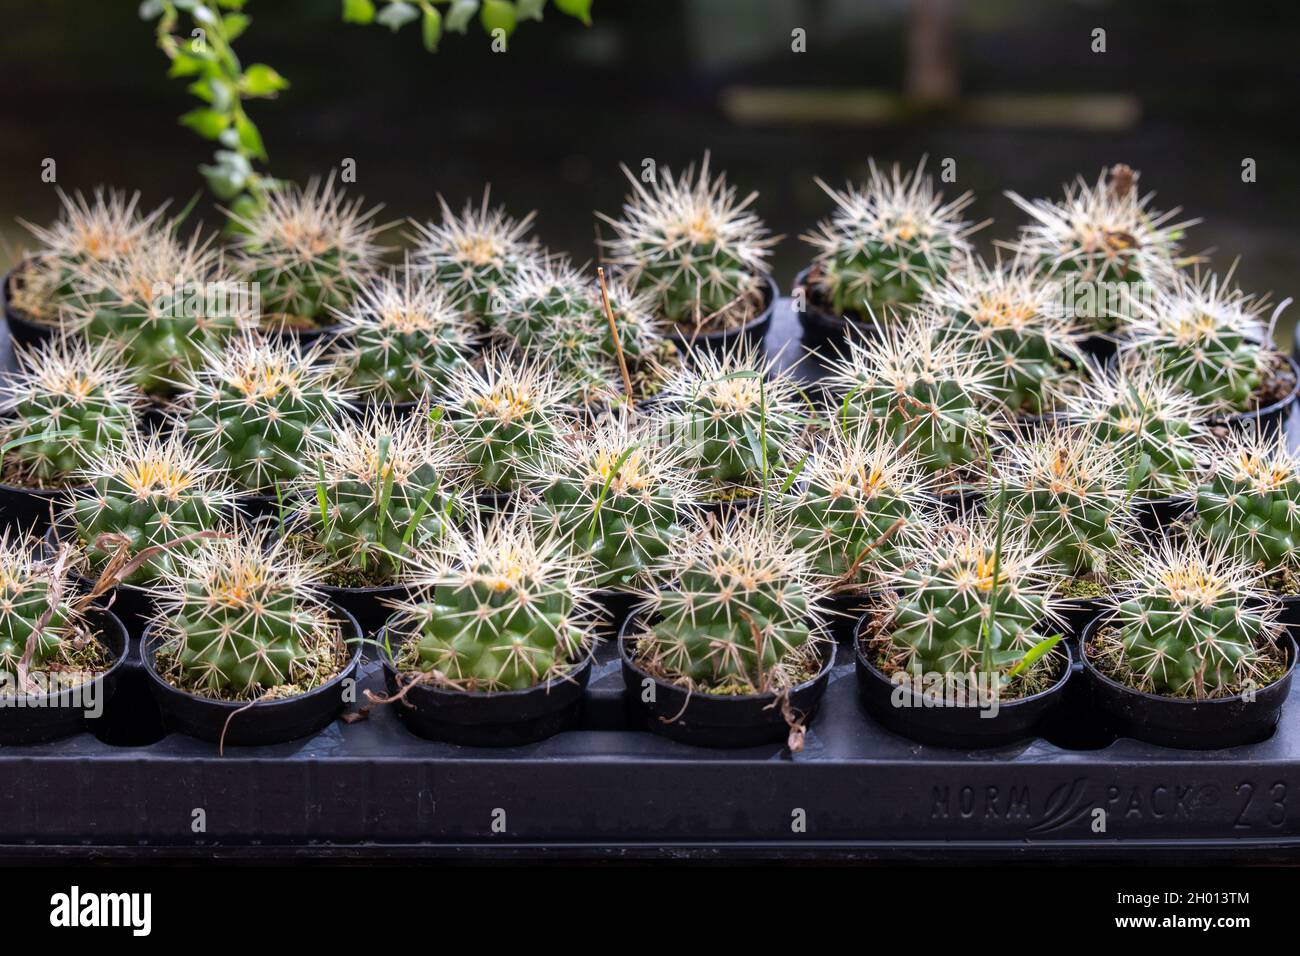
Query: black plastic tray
[[371, 789]]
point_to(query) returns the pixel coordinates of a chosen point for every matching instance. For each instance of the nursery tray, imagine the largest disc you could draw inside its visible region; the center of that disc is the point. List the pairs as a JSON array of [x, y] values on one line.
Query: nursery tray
[[370, 789]]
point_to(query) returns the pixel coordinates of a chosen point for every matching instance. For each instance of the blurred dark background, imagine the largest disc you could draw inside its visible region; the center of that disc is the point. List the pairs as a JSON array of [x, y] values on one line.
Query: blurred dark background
[[1010, 89]]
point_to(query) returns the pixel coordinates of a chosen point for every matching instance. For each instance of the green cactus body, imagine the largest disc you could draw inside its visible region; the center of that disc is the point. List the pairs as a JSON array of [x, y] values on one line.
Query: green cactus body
[[1068, 491], [475, 254], [857, 505], [618, 494], [380, 492], [309, 250], [930, 395], [738, 612], [736, 417], [239, 619], [500, 611], [149, 493], [1248, 502], [694, 247], [505, 417], [1105, 232], [405, 339], [1012, 320], [160, 307], [67, 404], [257, 406], [1154, 426], [887, 242], [1191, 622], [1204, 336], [945, 619], [27, 586]]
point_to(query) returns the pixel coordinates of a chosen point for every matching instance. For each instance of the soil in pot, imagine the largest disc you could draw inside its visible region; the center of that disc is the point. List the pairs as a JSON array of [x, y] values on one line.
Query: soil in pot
[[507, 718], [1273, 400], [281, 715], [949, 714], [1184, 723], [67, 703], [750, 322], [656, 704]]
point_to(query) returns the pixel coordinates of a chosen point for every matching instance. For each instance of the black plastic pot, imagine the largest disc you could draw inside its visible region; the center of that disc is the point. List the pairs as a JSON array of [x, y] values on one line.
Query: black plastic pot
[[961, 727], [821, 326], [254, 505], [307, 337], [371, 607], [614, 607], [960, 502], [1182, 723], [1271, 417], [502, 719], [845, 608], [53, 716], [1103, 348], [714, 720], [1077, 613], [753, 331], [23, 330], [259, 724], [1290, 615], [1157, 515], [30, 509], [493, 502]]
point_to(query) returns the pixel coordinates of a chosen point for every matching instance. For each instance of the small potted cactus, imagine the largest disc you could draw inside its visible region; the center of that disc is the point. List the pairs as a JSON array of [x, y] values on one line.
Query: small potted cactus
[[376, 492], [67, 403], [1106, 232], [309, 249], [619, 495], [860, 503], [1070, 493], [700, 252], [243, 650], [1157, 430], [256, 408], [1012, 319], [474, 254], [739, 421], [494, 648], [60, 656], [147, 503], [1248, 503], [964, 651], [160, 305], [730, 650], [88, 232], [931, 395], [1205, 335], [504, 415], [402, 340], [881, 247], [1189, 653]]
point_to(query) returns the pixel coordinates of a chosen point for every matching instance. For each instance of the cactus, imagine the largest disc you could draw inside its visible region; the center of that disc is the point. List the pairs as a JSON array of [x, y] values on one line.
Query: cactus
[[239, 619], [1068, 490], [619, 495], [382, 489], [37, 606], [1012, 319], [67, 403], [1205, 336], [1155, 426], [160, 305], [86, 234], [1102, 233], [150, 492], [258, 405], [475, 254], [405, 338], [970, 602], [1248, 501], [736, 416], [505, 416], [886, 242], [930, 395], [858, 503], [737, 613], [499, 610], [1191, 621], [309, 249], [697, 249]]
